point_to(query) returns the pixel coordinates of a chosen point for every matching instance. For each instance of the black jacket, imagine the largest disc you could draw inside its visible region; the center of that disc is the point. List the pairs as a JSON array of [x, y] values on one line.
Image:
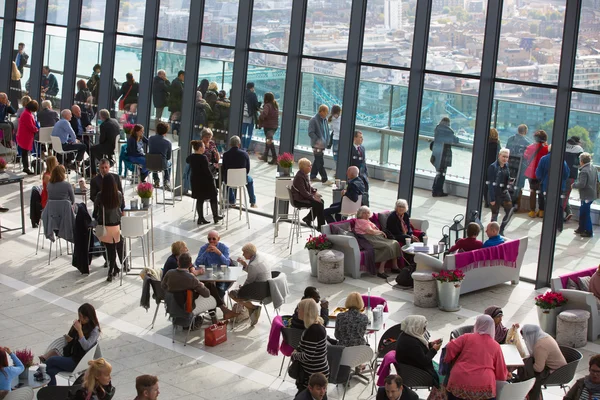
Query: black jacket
[[407, 394], [395, 227], [85, 121], [359, 160], [253, 104], [132, 97], [175, 95], [200, 114], [356, 187], [96, 186], [235, 158], [499, 179], [81, 97], [81, 256], [109, 131], [411, 351], [202, 180], [160, 91], [47, 118], [491, 155], [222, 114], [305, 395]]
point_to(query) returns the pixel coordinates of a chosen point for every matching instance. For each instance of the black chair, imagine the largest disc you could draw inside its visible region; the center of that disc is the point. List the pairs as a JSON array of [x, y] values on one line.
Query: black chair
[[414, 378], [156, 163], [383, 348], [56, 392], [158, 296], [565, 374], [292, 337], [461, 331], [260, 292]]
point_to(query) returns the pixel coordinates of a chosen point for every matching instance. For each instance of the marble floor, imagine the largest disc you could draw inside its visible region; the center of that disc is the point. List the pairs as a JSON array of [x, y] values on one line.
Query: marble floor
[[38, 302]]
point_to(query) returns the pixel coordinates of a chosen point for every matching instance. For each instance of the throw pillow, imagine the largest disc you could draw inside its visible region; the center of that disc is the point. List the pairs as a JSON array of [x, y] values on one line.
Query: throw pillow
[[572, 285], [341, 231], [584, 283], [337, 228], [383, 217]]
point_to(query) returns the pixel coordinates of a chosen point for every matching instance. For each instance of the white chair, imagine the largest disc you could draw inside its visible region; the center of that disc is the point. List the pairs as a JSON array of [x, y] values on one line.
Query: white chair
[[58, 149], [45, 138], [354, 356], [237, 179], [81, 367], [133, 228], [349, 207], [281, 194], [513, 391]]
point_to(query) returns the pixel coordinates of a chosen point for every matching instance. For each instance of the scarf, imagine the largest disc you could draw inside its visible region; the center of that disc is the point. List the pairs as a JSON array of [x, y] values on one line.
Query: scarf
[[484, 325], [414, 325], [531, 335], [501, 330], [591, 387]]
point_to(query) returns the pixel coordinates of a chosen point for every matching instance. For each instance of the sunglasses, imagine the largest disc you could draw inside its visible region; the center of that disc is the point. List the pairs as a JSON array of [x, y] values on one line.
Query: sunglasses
[[212, 238]]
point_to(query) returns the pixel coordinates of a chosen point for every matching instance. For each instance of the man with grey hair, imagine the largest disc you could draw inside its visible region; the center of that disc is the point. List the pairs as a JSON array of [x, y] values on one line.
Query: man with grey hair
[[160, 92], [237, 158], [65, 133], [5, 125], [318, 131], [47, 117], [109, 131], [586, 183], [356, 187], [499, 184]]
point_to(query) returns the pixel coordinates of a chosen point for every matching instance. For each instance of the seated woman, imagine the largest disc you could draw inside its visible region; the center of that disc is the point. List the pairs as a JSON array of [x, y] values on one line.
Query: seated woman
[[501, 332], [307, 196], [385, 249], [413, 349], [58, 188], [202, 182], [39, 202], [588, 386], [177, 249], [81, 337], [546, 357], [351, 326], [398, 223], [469, 243], [478, 363], [8, 373], [96, 382], [135, 149], [312, 350], [258, 274]]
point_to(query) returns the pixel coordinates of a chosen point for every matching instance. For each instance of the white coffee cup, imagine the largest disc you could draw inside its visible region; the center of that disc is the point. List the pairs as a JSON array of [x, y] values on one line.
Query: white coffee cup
[[408, 241], [435, 248], [223, 266], [425, 239], [441, 247]]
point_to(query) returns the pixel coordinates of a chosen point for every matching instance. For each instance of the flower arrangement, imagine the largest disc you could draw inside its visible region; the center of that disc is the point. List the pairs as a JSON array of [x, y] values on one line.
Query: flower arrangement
[[455, 275], [285, 160], [318, 243], [26, 357], [3, 163], [550, 300], [127, 128], [144, 190]]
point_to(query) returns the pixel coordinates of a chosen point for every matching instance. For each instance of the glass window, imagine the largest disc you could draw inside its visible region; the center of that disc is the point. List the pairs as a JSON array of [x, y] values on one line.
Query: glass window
[[271, 25], [530, 42], [131, 17], [54, 58], [170, 57], [128, 59], [26, 10], [58, 12], [587, 67], [93, 13], [24, 35], [173, 19], [2, 5], [389, 32], [327, 28], [220, 21], [456, 38], [90, 54]]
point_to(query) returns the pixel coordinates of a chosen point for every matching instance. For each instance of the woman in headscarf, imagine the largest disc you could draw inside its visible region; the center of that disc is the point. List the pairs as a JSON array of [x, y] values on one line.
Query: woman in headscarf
[[477, 355], [412, 347], [501, 331], [545, 357]]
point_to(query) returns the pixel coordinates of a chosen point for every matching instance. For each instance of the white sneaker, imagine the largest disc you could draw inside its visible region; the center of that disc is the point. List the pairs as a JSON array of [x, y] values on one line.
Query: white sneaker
[[255, 315]]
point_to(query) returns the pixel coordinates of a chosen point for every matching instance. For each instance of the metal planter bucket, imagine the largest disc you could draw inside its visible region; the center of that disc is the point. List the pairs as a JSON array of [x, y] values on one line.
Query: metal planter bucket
[[448, 295], [547, 319]]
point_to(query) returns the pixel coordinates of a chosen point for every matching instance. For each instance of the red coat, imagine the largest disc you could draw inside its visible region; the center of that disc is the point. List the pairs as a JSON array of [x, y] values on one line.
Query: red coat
[[533, 164], [26, 130]]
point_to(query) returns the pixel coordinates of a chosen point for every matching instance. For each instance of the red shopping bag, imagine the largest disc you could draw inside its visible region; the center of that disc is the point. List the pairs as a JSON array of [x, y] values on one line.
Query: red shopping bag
[[215, 334]]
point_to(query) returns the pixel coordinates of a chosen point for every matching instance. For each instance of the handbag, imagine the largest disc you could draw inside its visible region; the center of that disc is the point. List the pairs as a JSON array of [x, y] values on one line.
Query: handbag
[[295, 370], [215, 334], [101, 229], [122, 101]]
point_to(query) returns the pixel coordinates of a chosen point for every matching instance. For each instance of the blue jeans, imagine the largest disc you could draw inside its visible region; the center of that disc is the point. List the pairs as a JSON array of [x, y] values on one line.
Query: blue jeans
[[247, 130], [57, 364], [585, 219], [166, 173], [335, 147], [249, 186], [141, 160]]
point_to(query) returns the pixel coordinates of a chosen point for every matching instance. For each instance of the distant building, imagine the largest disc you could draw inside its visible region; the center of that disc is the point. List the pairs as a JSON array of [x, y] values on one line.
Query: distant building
[[392, 14]]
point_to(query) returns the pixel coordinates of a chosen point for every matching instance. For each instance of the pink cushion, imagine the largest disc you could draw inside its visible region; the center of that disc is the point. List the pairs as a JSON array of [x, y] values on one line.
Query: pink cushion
[[577, 274]]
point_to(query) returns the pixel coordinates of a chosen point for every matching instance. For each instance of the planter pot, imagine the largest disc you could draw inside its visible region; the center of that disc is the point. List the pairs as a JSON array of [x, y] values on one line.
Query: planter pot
[[24, 376], [547, 319], [448, 295], [286, 171], [314, 260], [145, 201]]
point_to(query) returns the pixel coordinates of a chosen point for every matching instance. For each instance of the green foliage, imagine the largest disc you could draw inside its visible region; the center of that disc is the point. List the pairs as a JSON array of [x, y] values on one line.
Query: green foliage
[[577, 130]]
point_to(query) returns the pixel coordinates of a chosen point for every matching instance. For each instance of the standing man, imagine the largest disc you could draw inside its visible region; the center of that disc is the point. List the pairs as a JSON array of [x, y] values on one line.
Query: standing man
[[49, 82], [572, 153], [542, 172], [109, 131], [318, 131], [146, 387], [160, 92], [517, 144], [176, 94], [7, 127], [67, 137], [394, 389], [358, 158], [499, 176], [441, 155], [237, 158], [586, 183], [20, 57], [47, 117], [159, 144]]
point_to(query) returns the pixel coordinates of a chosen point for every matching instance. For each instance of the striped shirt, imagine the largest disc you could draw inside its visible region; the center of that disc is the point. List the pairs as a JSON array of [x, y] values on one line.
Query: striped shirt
[[586, 395], [312, 351]]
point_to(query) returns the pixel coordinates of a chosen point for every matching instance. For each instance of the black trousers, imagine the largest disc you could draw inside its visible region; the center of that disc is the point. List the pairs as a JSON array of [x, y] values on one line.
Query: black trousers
[[214, 292], [317, 211], [214, 206], [25, 158], [438, 181], [318, 166]]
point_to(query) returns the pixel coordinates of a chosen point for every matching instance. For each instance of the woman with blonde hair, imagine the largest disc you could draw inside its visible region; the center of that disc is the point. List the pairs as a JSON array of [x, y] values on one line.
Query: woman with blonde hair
[[312, 351], [96, 382], [177, 248], [351, 326], [15, 92], [491, 155]]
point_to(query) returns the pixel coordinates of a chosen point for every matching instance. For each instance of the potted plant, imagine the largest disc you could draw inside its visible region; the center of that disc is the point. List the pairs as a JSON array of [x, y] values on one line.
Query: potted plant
[[549, 305], [315, 244], [144, 190], [26, 357], [285, 161], [3, 164], [448, 287]]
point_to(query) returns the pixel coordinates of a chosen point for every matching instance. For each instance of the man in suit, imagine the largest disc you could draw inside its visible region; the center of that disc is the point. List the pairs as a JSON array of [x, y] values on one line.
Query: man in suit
[[356, 187], [238, 158], [395, 390], [47, 117], [318, 131], [109, 131], [316, 390], [96, 182], [20, 57], [49, 82], [358, 159], [80, 122]]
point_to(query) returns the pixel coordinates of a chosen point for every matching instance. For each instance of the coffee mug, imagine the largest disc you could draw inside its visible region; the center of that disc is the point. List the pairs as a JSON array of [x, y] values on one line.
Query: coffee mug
[[408, 241], [441, 247], [435, 248], [425, 239], [223, 266]]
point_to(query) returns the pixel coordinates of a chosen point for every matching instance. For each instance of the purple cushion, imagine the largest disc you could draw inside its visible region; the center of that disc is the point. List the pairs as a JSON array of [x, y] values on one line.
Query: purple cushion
[[574, 275]]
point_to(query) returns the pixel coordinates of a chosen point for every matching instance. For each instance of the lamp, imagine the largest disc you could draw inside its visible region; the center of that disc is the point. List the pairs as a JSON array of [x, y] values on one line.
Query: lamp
[[445, 236], [456, 228]]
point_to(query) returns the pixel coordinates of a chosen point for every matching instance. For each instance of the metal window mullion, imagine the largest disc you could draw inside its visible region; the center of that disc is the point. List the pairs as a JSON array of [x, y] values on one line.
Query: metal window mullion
[[71, 53], [148, 63], [293, 76], [37, 48], [109, 47], [562, 110], [351, 84], [485, 104], [240, 65], [414, 100], [8, 43]]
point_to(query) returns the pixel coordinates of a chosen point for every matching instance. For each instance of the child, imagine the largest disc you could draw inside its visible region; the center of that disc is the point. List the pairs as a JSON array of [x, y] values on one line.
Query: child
[[469, 243]]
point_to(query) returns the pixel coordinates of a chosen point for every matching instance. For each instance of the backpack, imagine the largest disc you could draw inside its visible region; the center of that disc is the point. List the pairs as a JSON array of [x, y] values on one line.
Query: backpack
[[404, 278]]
